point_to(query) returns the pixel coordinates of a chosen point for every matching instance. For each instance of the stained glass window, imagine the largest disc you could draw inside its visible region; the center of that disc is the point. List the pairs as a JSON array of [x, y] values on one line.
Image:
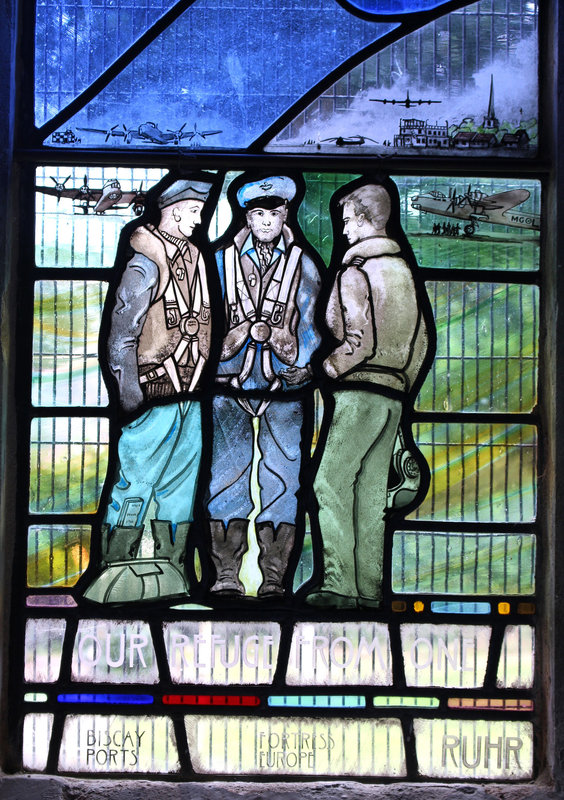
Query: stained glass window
[[280, 398]]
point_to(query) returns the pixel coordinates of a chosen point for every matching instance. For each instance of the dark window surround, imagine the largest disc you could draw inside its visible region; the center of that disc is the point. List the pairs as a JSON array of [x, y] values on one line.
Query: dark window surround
[[16, 177]]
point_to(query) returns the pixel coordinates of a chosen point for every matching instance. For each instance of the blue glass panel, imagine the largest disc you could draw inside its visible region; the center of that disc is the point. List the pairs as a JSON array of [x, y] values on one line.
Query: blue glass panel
[[318, 701], [76, 40], [395, 6], [222, 73], [438, 607]]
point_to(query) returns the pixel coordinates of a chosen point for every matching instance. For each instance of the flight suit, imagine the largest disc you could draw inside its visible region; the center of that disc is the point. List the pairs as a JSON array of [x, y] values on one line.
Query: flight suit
[[269, 315], [158, 344], [375, 313]]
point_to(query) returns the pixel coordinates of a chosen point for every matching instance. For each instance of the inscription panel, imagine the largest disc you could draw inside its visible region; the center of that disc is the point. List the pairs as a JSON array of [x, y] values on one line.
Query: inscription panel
[[448, 748], [96, 743], [222, 653], [445, 655], [337, 654], [107, 651], [296, 746]]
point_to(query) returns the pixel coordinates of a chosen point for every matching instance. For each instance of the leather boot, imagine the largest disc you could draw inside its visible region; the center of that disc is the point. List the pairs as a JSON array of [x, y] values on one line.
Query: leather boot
[[174, 551], [165, 545], [122, 544], [227, 550], [275, 550]]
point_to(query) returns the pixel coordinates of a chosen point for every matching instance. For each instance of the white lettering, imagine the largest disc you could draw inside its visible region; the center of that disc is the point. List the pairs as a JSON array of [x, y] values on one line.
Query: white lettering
[[416, 657], [137, 641], [346, 643]]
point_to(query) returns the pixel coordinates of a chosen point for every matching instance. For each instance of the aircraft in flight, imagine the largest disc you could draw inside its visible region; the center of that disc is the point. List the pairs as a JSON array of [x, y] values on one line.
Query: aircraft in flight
[[98, 200], [407, 101], [476, 206], [150, 132]]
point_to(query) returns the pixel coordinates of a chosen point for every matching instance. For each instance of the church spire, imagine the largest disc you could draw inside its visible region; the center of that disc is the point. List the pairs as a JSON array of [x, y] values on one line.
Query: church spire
[[491, 110], [490, 120]]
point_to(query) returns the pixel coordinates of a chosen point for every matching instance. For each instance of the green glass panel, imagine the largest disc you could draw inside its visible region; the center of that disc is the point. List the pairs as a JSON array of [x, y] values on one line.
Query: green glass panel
[[479, 473], [68, 461], [491, 246], [487, 348], [65, 344], [313, 215], [464, 563], [57, 555]]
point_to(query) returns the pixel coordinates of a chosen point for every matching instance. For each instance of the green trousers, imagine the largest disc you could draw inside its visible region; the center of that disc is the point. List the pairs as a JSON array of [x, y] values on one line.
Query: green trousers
[[351, 489]]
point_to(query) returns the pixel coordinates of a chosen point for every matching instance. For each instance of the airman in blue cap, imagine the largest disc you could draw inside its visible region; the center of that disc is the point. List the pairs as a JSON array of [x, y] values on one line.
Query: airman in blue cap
[[270, 286]]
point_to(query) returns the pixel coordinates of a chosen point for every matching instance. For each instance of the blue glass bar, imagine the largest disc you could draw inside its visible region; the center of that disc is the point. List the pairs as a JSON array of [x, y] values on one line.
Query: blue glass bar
[[113, 699], [317, 701], [453, 607]]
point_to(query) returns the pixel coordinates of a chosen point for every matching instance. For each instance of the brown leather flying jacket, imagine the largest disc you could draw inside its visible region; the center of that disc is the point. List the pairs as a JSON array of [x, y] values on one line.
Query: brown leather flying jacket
[[373, 311], [161, 326]]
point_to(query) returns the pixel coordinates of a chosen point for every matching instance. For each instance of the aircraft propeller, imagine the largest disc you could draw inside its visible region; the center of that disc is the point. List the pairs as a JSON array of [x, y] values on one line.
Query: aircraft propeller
[[60, 186]]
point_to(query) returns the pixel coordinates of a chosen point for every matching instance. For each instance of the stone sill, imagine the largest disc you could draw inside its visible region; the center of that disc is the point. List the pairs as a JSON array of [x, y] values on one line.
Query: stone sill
[[43, 787]]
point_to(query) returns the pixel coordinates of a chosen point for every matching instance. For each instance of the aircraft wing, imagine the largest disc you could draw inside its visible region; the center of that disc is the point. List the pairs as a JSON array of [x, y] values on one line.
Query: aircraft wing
[[505, 200], [55, 192], [131, 197], [72, 194], [112, 132]]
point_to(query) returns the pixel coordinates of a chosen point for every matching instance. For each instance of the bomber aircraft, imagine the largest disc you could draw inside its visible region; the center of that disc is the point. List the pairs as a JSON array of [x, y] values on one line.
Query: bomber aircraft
[[476, 206], [150, 132], [98, 200]]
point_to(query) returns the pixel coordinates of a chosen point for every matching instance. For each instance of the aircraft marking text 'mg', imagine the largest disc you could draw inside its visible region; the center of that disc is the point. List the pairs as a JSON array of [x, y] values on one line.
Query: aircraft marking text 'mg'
[[476, 206]]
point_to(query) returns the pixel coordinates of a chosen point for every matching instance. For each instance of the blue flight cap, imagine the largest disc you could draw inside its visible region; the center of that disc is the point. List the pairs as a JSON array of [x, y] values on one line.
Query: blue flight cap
[[184, 190], [268, 189]]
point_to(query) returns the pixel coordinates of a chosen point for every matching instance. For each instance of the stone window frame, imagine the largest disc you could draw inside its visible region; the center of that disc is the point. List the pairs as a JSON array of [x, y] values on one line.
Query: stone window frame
[[16, 165]]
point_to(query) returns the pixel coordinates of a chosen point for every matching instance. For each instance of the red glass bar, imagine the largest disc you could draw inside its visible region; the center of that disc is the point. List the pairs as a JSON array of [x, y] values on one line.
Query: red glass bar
[[210, 700]]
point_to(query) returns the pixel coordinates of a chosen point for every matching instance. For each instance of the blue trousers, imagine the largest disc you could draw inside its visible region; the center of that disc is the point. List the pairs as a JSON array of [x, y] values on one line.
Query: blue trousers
[[159, 457], [279, 440]]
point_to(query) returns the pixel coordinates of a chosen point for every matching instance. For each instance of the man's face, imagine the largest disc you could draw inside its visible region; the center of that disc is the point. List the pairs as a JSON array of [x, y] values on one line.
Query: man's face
[[266, 224], [187, 214], [352, 224]]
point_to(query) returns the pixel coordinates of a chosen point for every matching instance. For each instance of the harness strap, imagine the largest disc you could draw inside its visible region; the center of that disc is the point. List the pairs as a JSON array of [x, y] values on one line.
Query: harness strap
[[278, 291]]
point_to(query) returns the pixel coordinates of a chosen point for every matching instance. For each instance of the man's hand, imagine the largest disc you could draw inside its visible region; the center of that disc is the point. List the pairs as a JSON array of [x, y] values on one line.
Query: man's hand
[[296, 375]]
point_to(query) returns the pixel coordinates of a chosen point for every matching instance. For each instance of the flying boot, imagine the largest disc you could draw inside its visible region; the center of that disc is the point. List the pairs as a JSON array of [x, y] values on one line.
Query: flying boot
[[227, 550], [122, 544], [172, 548], [275, 550]]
